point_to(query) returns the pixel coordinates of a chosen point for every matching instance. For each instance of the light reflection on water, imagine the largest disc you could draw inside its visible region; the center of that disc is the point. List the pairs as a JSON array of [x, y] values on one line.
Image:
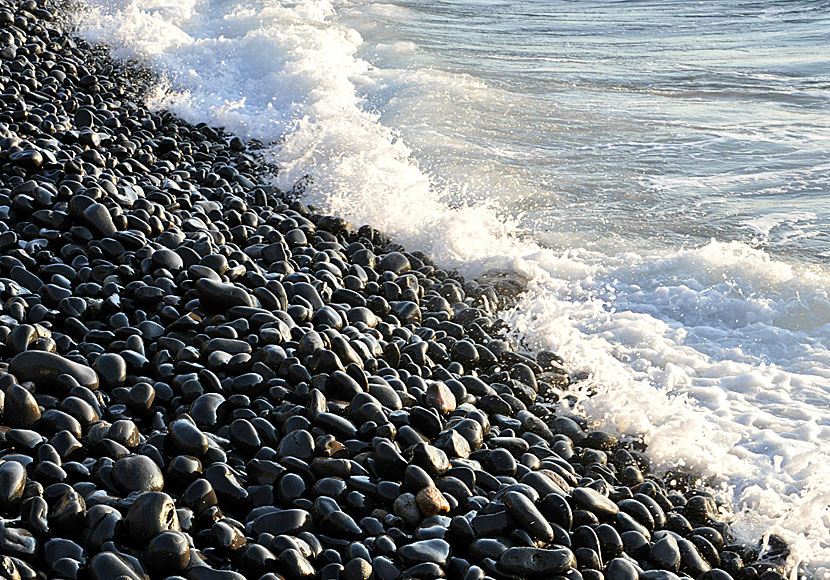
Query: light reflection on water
[[637, 124]]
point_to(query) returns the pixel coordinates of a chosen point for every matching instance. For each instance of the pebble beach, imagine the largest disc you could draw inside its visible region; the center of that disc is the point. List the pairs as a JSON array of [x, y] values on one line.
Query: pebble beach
[[204, 378]]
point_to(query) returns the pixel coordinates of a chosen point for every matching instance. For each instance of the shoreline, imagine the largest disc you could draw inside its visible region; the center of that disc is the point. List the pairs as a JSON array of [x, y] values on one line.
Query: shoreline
[[213, 381]]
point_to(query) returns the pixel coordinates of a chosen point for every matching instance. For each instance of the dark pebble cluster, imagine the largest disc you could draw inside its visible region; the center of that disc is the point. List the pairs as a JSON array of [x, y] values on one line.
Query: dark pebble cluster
[[204, 379]]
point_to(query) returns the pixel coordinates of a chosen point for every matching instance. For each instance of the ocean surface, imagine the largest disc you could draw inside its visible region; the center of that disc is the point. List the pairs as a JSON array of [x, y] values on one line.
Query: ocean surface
[[658, 170]]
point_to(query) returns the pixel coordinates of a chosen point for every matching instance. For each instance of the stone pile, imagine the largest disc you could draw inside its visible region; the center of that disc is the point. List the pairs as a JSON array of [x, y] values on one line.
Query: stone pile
[[202, 379]]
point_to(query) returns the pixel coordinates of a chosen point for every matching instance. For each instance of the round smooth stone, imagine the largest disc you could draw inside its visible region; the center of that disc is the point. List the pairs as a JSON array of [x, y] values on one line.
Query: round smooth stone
[[394, 262], [12, 484], [167, 553], [20, 408], [112, 369], [167, 259], [187, 438], [150, 514], [524, 511], [99, 218], [109, 565], [137, 473], [299, 444]]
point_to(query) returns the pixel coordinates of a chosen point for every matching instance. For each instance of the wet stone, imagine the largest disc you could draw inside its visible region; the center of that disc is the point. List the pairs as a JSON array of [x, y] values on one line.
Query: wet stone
[[200, 496], [137, 473], [226, 485], [432, 502], [440, 397], [112, 369], [500, 462], [167, 553], [394, 262], [341, 524], [109, 565], [43, 368], [67, 512], [226, 537], [346, 396], [299, 444], [596, 503], [149, 515], [99, 218], [289, 522], [536, 561], [187, 438], [21, 409], [435, 551], [17, 542], [219, 296], [666, 553], [431, 459], [168, 260], [621, 569], [524, 512], [12, 484], [34, 513]]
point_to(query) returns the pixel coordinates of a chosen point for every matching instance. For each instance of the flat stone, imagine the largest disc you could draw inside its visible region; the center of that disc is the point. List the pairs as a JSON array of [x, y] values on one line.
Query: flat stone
[[593, 501], [536, 561], [289, 522], [43, 368], [228, 345], [109, 565], [221, 296], [436, 551]]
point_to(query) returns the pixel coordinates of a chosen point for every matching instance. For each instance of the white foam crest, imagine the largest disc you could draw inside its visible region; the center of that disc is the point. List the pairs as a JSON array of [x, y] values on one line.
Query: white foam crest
[[716, 355], [706, 354], [282, 71]]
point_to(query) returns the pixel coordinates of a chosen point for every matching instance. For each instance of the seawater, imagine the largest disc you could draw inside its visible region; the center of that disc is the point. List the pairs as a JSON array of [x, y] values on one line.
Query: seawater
[[659, 171]]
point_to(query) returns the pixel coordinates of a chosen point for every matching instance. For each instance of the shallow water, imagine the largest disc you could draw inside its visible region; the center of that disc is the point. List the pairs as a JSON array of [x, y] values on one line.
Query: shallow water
[[659, 170]]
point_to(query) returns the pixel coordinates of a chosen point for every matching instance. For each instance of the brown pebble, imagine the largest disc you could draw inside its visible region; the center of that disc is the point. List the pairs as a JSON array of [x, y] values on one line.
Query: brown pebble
[[432, 502], [440, 397]]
